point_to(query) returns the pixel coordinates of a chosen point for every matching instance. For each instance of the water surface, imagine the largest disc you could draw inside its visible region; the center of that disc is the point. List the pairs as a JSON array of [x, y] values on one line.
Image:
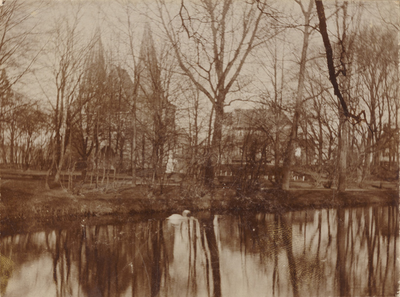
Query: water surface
[[328, 252]]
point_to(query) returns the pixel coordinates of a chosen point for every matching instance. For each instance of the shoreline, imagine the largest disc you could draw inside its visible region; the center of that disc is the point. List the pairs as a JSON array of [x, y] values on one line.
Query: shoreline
[[24, 204]]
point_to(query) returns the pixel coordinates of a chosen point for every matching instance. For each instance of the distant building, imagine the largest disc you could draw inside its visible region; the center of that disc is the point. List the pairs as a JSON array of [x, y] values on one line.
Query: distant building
[[251, 134], [306, 150], [155, 115], [387, 147], [115, 105]]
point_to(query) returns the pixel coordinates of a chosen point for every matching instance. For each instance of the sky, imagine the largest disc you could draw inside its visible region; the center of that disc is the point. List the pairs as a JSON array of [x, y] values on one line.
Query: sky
[[110, 16]]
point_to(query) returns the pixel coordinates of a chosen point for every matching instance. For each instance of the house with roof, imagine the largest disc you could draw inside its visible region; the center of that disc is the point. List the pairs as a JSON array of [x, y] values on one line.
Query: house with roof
[[256, 139], [251, 134]]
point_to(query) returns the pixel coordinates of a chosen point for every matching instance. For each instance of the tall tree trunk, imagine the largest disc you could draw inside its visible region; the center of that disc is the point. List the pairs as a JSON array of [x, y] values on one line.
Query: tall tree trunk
[[389, 129], [27, 154], [278, 90], [320, 143], [143, 150], [289, 153], [305, 131], [61, 161], [53, 161], [342, 152], [12, 140], [343, 122], [214, 153], [277, 152], [4, 151], [60, 137], [397, 151], [332, 77], [367, 158], [133, 147], [3, 148]]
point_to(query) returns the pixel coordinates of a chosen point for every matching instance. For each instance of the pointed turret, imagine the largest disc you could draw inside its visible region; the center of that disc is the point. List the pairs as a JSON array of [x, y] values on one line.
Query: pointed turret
[[96, 57], [148, 56], [95, 67], [149, 70]]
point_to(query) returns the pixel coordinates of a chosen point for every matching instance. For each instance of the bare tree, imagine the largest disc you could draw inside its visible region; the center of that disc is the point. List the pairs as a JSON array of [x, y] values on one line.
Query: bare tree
[[192, 114], [273, 60], [30, 122], [376, 57], [318, 114], [340, 77], [68, 52], [126, 38], [6, 108], [17, 42], [17, 53], [211, 41], [289, 152], [156, 113], [91, 109]]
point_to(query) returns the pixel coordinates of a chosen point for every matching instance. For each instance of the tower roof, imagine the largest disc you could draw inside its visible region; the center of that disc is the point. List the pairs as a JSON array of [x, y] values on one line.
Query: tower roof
[[148, 55]]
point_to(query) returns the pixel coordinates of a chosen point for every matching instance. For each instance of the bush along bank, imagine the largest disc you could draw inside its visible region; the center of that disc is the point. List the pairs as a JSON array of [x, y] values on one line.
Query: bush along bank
[[50, 205]]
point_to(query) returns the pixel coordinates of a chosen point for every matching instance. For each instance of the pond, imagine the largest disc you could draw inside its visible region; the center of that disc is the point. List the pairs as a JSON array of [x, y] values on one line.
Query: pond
[[326, 252]]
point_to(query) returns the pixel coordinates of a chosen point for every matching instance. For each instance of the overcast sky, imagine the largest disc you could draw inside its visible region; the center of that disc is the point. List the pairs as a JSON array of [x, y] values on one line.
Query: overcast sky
[[110, 16]]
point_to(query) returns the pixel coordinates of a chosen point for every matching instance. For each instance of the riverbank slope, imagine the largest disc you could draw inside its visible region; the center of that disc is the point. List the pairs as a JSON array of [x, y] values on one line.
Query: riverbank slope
[[25, 199]]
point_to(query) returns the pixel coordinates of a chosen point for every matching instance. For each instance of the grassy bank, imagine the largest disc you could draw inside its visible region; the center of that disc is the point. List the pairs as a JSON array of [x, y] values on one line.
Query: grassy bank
[[24, 200]]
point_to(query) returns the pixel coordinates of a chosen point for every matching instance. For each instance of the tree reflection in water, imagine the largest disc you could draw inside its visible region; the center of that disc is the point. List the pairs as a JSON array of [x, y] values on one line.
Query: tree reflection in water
[[341, 260], [209, 232], [195, 258], [337, 252]]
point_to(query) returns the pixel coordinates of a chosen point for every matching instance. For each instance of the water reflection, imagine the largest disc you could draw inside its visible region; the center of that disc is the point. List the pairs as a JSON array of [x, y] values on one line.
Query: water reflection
[[331, 252]]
